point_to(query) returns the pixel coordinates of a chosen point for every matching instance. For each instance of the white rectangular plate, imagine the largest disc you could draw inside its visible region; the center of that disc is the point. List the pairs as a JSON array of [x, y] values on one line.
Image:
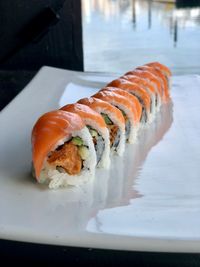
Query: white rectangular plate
[[150, 198]]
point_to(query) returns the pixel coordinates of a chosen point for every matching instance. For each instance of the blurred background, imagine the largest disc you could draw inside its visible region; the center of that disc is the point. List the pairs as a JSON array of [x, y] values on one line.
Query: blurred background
[[121, 34], [95, 35]]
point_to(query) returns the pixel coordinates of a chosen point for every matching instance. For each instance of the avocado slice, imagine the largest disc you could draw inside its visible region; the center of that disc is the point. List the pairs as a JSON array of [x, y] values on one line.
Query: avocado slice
[[77, 141], [106, 118]]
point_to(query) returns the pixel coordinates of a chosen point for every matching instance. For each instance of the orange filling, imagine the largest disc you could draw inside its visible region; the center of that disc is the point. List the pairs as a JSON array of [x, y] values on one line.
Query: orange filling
[[113, 132], [68, 158]]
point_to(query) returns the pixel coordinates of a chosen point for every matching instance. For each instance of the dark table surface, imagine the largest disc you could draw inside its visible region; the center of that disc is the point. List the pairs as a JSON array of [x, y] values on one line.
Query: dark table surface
[[11, 83], [59, 255]]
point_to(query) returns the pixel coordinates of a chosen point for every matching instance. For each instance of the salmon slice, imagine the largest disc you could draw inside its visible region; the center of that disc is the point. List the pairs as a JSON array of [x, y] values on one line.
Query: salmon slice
[[134, 100], [160, 76], [140, 81], [128, 110], [147, 86], [150, 77], [49, 129], [166, 71], [133, 88], [99, 106], [86, 113], [117, 100]]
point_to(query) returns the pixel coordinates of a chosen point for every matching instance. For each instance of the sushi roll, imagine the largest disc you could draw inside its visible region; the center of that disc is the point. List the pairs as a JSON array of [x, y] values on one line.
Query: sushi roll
[[142, 95], [161, 77], [114, 121], [156, 94], [62, 150], [98, 130], [147, 86], [165, 74], [164, 69], [134, 100], [127, 109]]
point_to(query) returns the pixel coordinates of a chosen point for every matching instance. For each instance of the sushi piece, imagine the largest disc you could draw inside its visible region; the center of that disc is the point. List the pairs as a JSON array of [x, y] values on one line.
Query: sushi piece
[[156, 94], [165, 74], [147, 75], [134, 100], [142, 95], [127, 109], [62, 150], [114, 121], [164, 69], [98, 130], [147, 86], [162, 78]]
